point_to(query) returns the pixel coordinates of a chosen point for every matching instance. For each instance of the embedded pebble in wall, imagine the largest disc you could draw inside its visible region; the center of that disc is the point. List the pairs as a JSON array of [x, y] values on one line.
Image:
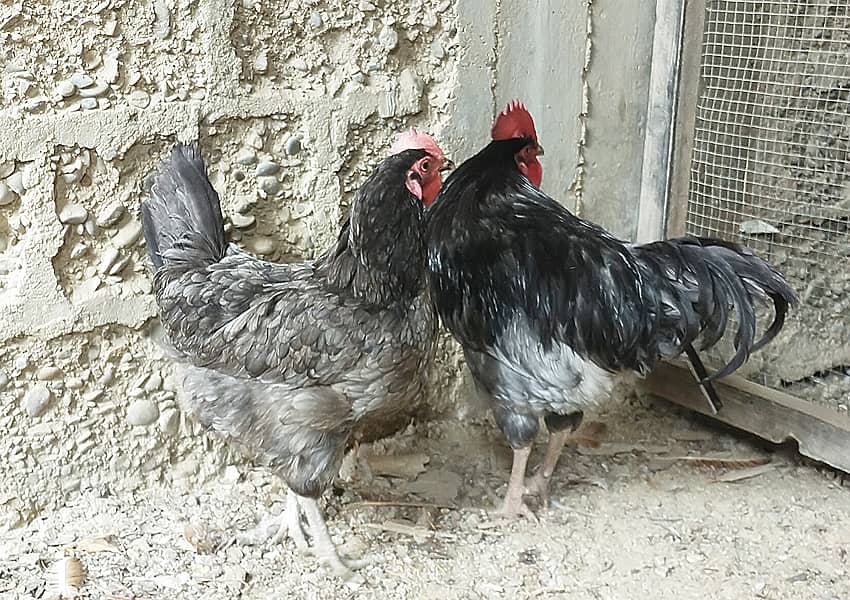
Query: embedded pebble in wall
[[107, 259], [299, 64], [98, 89], [6, 169], [142, 412], [110, 26], [48, 373], [7, 196], [293, 145], [110, 68], [74, 383], [267, 167], [162, 20], [247, 156], [4, 380], [261, 62], [231, 474], [22, 361], [128, 235], [66, 88], [16, 182], [388, 38], [110, 214], [36, 400], [241, 221], [139, 99], [316, 20], [254, 140], [73, 214], [92, 395], [429, 21], [73, 172], [119, 266], [169, 421], [88, 103], [90, 227], [262, 245], [269, 185], [437, 50], [79, 250], [81, 80], [153, 383]]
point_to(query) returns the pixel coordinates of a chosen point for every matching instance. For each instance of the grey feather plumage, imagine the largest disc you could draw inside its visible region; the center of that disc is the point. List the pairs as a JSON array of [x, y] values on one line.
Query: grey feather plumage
[[285, 360]]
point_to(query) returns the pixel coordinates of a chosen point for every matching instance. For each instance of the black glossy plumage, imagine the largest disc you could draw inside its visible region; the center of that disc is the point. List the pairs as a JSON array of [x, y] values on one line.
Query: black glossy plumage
[[515, 275]]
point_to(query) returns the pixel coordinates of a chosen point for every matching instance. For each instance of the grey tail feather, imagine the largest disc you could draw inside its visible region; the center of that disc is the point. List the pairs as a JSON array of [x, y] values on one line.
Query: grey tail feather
[[182, 217]]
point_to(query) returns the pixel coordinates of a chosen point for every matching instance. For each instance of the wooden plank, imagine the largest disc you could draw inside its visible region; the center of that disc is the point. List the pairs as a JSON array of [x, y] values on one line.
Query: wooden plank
[[821, 433], [660, 118], [683, 131]]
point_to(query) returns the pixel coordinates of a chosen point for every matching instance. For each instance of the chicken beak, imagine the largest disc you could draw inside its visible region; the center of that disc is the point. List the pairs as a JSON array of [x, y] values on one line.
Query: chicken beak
[[540, 151], [448, 165]]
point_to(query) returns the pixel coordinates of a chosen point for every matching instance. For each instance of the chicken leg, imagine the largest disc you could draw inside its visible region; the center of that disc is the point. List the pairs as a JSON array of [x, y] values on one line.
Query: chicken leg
[[560, 428], [514, 505], [538, 485]]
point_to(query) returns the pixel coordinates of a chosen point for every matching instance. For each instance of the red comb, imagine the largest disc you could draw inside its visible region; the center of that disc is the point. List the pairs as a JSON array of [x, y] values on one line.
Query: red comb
[[514, 121], [413, 139]]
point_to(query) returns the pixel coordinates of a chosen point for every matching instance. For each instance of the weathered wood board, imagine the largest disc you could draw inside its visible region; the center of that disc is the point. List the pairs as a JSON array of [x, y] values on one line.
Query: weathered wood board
[[821, 433]]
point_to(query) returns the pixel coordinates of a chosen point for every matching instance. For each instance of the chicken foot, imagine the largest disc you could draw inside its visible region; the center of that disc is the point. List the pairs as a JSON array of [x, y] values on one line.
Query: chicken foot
[[276, 528], [323, 547], [291, 525]]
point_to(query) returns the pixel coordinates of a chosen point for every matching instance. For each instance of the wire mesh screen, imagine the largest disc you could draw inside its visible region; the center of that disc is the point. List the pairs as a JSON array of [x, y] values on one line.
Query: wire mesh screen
[[770, 169]]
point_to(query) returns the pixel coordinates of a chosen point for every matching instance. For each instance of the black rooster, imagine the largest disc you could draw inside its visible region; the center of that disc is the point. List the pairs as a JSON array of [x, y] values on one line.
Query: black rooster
[[549, 307]]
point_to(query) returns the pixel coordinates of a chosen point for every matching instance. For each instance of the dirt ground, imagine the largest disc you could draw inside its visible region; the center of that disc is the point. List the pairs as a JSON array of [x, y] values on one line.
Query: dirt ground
[[630, 518]]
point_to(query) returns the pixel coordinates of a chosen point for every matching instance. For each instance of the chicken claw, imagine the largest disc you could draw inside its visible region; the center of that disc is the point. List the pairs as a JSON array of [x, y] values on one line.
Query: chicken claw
[[291, 525], [324, 549]]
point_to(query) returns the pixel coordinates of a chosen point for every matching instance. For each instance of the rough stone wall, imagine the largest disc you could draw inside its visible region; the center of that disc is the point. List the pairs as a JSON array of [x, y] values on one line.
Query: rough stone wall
[[293, 102]]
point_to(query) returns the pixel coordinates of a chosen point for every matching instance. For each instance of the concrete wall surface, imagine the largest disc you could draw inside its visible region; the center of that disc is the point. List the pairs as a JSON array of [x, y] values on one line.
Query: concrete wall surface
[[294, 102]]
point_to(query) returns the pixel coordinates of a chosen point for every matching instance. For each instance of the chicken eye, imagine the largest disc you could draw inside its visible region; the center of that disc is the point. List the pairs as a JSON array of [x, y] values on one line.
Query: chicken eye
[[425, 166]]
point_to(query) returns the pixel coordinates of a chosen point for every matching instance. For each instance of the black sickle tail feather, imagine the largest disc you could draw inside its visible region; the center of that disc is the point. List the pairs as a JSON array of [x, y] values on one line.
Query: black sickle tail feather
[[182, 216], [704, 379], [702, 278]]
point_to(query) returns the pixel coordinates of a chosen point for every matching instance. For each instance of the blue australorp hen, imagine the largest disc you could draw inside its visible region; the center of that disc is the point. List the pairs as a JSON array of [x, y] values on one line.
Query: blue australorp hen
[[284, 360]]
